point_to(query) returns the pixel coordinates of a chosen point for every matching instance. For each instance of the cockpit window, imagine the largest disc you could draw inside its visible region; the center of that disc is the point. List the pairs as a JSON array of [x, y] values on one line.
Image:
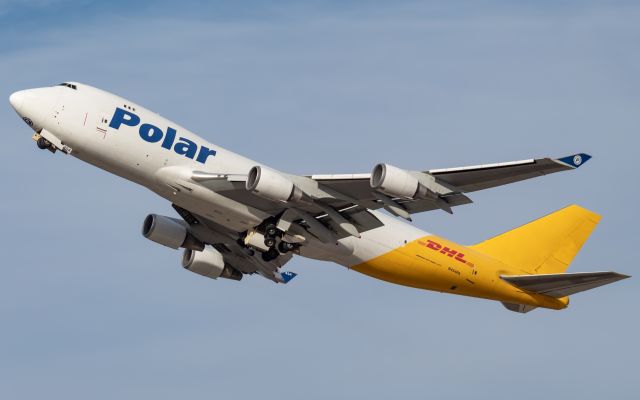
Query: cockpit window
[[69, 85]]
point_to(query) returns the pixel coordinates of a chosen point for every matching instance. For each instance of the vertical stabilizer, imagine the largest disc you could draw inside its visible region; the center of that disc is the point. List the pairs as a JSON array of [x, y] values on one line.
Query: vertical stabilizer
[[546, 245]]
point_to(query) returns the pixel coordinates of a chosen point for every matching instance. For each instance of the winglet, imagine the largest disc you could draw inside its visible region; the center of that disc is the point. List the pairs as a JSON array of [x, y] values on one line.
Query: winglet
[[287, 276], [575, 160]]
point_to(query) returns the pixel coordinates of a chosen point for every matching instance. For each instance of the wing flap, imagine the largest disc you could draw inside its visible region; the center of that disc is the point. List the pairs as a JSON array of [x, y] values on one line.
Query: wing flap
[[562, 285], [421, 205]]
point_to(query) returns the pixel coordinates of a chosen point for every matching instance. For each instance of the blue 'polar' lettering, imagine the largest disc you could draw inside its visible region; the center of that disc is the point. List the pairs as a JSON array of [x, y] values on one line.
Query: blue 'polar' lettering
[[186, 147], [153, 134], [123, 117], [150, 133]]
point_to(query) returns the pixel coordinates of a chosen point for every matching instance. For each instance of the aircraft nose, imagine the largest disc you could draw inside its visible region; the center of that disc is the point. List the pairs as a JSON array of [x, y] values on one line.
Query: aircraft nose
[[32, 105], [16, 99]]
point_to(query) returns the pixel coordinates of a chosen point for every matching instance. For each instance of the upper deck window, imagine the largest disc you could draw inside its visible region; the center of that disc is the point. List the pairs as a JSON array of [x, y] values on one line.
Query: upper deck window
[[69, 85]]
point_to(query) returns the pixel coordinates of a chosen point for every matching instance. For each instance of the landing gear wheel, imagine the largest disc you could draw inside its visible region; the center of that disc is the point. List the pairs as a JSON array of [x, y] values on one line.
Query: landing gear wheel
[[271, 230], [269, 241], [43, 143], [270, 255], [285, 247]]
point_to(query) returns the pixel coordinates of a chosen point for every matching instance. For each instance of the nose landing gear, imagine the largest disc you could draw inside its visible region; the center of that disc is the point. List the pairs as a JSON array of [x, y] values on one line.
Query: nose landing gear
[[45, 140], [43, 143]]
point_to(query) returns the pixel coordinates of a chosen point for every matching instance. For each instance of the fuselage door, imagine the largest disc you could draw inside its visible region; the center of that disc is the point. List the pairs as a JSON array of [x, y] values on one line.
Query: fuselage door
[[102, 124]]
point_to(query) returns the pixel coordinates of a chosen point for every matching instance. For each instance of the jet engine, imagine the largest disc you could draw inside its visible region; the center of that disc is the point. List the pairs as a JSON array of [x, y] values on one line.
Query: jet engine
[[395, 182], [210, 263], [272, 185], [169, 232]]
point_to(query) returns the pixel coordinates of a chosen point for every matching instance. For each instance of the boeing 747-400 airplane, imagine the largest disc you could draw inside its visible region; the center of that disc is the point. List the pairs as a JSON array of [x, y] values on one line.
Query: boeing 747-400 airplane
[[239, 217]]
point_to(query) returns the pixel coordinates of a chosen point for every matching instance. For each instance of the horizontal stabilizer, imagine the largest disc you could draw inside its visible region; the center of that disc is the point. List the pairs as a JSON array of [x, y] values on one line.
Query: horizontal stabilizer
[[561, 285]]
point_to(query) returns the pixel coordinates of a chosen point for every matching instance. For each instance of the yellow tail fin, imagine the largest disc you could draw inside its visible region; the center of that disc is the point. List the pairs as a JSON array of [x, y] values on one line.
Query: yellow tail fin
[[546, 245]]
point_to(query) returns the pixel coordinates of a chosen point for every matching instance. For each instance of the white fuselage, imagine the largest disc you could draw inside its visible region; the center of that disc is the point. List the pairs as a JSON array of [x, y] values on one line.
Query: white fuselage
[[160, 155], [220, 186]]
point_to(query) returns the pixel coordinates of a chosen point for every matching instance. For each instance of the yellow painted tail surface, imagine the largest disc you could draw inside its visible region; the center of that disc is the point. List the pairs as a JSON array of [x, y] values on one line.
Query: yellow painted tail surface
[[546, 245]]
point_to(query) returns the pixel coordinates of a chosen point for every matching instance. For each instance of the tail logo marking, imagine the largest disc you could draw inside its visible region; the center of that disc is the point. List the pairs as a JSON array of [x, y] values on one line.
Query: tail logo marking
[[435, 246], [577, 160]]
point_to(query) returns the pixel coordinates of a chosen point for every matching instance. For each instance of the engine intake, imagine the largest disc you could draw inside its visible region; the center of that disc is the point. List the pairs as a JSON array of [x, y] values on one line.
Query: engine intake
[[210, 263], [169, 232], [394, 181], [272, 185]]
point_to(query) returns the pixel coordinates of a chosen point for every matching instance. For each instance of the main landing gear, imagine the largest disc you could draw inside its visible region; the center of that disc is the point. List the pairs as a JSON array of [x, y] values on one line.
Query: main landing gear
[[285, 247], [270, 235], [270, 254], [267, 239], [273, 240]]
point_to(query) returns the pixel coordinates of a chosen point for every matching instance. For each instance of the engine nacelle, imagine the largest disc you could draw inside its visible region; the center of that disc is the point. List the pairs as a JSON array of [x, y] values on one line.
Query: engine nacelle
[[169, 232], [272, 185], [210, 263], [394, 181]]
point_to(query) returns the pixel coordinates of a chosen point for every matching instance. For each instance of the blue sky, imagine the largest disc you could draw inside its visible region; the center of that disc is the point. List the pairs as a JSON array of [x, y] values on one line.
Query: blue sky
[[90, 309]]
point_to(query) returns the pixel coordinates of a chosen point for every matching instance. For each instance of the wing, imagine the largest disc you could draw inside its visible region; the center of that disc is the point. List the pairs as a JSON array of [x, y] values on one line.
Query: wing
[[478, 177], [447, 186], [327, 214], [331, 207]]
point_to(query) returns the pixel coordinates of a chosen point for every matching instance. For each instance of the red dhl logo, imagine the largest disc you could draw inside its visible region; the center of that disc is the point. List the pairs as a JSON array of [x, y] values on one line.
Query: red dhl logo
[[435, 246]]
